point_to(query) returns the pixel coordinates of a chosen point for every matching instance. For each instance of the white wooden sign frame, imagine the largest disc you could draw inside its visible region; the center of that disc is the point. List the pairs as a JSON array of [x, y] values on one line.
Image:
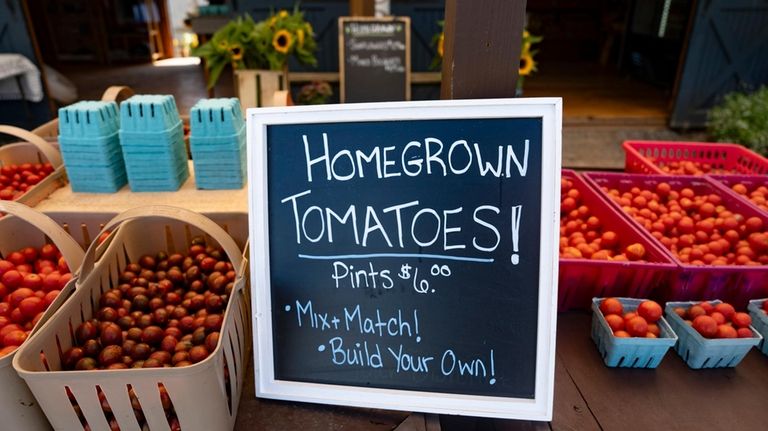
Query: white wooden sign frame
[[538, 408]]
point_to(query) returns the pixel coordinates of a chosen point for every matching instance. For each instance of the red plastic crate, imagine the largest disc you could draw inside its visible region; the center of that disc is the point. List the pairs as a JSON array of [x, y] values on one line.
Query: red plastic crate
[[582, 279], [725, 182], [732, 283], [644, 157]]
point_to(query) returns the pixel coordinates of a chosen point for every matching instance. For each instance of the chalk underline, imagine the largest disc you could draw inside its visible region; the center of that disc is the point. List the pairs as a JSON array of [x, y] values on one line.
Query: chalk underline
[[417, 255]]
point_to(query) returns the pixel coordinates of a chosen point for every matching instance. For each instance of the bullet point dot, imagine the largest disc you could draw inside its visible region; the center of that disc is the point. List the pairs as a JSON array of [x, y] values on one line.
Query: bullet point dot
[[287, 308], [321, 348], [515, 259], [493, 381], [418, 339]]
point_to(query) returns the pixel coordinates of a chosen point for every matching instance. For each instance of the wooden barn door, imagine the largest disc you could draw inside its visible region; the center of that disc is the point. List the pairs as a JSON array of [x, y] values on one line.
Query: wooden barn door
[[727, 50]]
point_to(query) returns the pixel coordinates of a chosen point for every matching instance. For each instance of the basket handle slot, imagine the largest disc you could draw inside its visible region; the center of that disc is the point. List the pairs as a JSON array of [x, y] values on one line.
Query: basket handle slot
[[46, 149]]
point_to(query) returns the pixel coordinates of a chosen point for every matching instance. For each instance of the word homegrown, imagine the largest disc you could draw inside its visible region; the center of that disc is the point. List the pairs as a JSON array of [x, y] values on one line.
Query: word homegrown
[[408, 223]]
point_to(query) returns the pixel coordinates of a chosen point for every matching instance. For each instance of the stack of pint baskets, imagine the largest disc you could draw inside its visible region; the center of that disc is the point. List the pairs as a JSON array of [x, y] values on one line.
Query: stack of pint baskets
[[90, 146], [152, 139], [217, 143]]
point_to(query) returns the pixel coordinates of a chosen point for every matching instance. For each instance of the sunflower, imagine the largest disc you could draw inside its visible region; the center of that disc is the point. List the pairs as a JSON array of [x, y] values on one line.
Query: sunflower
[[526, 64], [237, 52], [300, 37], [282, 41], [223, 46], [283, 14], [441, 44]]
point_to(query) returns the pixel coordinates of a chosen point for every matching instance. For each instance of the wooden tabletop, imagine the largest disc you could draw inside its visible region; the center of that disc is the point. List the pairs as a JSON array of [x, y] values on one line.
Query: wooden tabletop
[[588, 396]]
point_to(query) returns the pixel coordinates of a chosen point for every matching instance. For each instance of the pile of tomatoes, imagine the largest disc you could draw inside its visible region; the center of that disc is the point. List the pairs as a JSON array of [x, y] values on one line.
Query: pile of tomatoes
[[15, 179], [639, 323], [30, 280], [167, 311], [687, 167], [758, 195], [716, 321], [696, 227], [582, 234]]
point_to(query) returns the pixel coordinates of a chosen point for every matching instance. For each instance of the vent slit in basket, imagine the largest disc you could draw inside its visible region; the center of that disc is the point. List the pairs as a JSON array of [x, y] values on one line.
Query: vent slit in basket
[[227, 385], [136, 405], [76, 408], [45, 361], [167, 402], [234, 361]]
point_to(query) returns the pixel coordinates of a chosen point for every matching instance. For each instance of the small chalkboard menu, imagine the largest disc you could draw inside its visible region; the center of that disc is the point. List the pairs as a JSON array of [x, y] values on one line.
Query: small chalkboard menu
[[403, 255], [374, 59]]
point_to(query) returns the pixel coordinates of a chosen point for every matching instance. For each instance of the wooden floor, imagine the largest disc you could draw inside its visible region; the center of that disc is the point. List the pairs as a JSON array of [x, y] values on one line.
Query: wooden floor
[[588, 396]]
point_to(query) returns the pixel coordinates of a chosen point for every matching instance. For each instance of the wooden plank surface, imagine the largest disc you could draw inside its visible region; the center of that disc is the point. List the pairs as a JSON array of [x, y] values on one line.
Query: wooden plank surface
[[672, 397], [482, 48], [270, 415], [571, 412]]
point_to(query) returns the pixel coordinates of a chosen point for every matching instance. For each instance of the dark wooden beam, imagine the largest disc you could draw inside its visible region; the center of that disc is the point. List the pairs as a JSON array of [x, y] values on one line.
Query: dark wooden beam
[[362, 7], [481, 48]]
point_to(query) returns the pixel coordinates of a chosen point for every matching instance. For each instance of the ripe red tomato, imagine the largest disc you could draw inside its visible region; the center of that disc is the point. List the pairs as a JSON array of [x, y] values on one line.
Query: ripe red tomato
[[615, 321], [32, 281], [16, 258], [706, 326], [621, 334], [637, 326], [62, 266], [708, 308], [726, 309], [650, 311], [719, 318], [51, 296], [741, 320], [654, 329], [29, 253], [52, 281], [49, 252], [611, 306], [12, 279], [744, 333], [6, 266], [696, 311], [20, 294], [726, 331], [14, 338], [30, 307]]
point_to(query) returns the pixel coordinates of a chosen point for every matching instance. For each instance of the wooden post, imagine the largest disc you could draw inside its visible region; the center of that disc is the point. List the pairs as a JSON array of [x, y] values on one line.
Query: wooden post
[[482, 48], [361, 7]]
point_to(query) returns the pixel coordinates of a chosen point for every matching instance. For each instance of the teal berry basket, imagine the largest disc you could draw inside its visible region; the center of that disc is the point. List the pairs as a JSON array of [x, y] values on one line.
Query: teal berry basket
[[759, 321], [629, 352], [699, 352]]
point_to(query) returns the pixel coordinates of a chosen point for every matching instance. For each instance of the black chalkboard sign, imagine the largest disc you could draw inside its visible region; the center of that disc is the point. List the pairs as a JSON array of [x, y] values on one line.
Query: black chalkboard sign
[[375, 59], [407, 249]]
